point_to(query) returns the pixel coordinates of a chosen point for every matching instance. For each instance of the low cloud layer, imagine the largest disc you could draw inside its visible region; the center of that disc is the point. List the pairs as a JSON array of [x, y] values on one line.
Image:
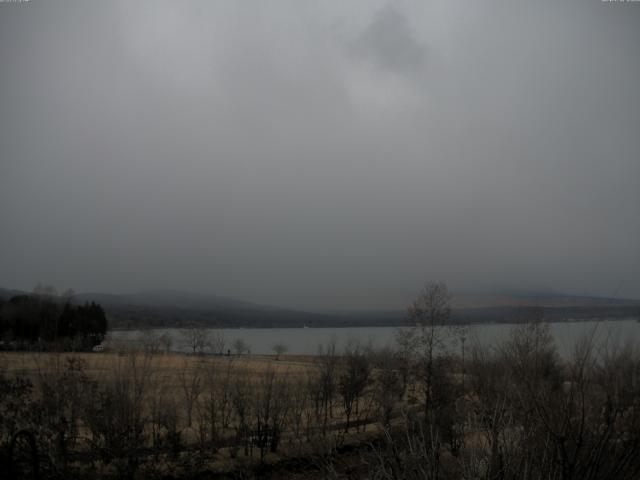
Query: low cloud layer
[[320, 155]]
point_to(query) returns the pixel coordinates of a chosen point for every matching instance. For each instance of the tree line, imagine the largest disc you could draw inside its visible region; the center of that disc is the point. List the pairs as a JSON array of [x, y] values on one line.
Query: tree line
[[45, 319]]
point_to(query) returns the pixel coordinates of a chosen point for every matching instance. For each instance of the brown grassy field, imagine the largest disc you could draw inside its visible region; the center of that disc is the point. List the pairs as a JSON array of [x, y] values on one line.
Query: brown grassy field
[[97, 365]]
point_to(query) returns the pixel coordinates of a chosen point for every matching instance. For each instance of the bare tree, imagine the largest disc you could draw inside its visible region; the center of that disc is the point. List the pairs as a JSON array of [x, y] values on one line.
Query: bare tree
[[63, 387], [271, 404], [408, 341], [430, 312], [240, 346], [215, 402], [163, 412], [325, 383], [279, 349], [387, 389], [217, 342], [299, 406], [241, 396], [354, 378], [150, 341], [116, 415], [197, 339], [190, 378]]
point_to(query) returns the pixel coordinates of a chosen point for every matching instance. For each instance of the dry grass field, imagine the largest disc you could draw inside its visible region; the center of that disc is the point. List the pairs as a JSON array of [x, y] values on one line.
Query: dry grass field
[[99, 365]]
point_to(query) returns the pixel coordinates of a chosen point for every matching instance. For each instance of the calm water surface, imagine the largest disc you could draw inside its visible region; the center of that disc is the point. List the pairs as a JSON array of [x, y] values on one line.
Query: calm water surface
[[306, 340]]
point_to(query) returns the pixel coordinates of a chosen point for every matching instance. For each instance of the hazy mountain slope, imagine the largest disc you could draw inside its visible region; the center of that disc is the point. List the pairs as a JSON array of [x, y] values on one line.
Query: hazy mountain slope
[[170, 298], [544, 300], [170, 308], [164, 308]]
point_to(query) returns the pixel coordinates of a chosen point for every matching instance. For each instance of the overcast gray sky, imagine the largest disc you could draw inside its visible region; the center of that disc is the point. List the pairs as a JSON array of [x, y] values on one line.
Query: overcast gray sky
[[320, 154]]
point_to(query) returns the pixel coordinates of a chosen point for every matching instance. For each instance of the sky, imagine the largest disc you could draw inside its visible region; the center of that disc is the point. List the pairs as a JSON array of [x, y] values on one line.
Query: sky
[[310, 154]]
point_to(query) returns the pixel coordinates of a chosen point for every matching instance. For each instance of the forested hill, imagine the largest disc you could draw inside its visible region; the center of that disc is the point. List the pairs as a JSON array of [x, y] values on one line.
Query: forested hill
[[45, 320], [175, 309]]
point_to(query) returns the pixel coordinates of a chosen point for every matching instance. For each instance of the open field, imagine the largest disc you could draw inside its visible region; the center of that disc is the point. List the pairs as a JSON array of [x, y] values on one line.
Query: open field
[[97, 365]]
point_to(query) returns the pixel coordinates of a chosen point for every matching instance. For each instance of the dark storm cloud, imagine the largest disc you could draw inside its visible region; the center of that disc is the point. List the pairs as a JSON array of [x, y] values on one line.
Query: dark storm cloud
[[320, 154], [389, 43]]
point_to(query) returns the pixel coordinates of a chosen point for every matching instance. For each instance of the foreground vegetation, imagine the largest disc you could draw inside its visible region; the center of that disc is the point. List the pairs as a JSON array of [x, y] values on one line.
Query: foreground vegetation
[[516, 411], [420, 411]]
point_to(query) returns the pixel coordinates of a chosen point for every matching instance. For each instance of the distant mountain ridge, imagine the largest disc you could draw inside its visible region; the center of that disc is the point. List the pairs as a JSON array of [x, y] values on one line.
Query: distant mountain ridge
[[542, 300], [167, 308], [169, 298]]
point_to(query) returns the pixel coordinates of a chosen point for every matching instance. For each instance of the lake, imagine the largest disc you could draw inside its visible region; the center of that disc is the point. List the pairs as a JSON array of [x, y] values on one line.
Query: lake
[[305, 341]]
